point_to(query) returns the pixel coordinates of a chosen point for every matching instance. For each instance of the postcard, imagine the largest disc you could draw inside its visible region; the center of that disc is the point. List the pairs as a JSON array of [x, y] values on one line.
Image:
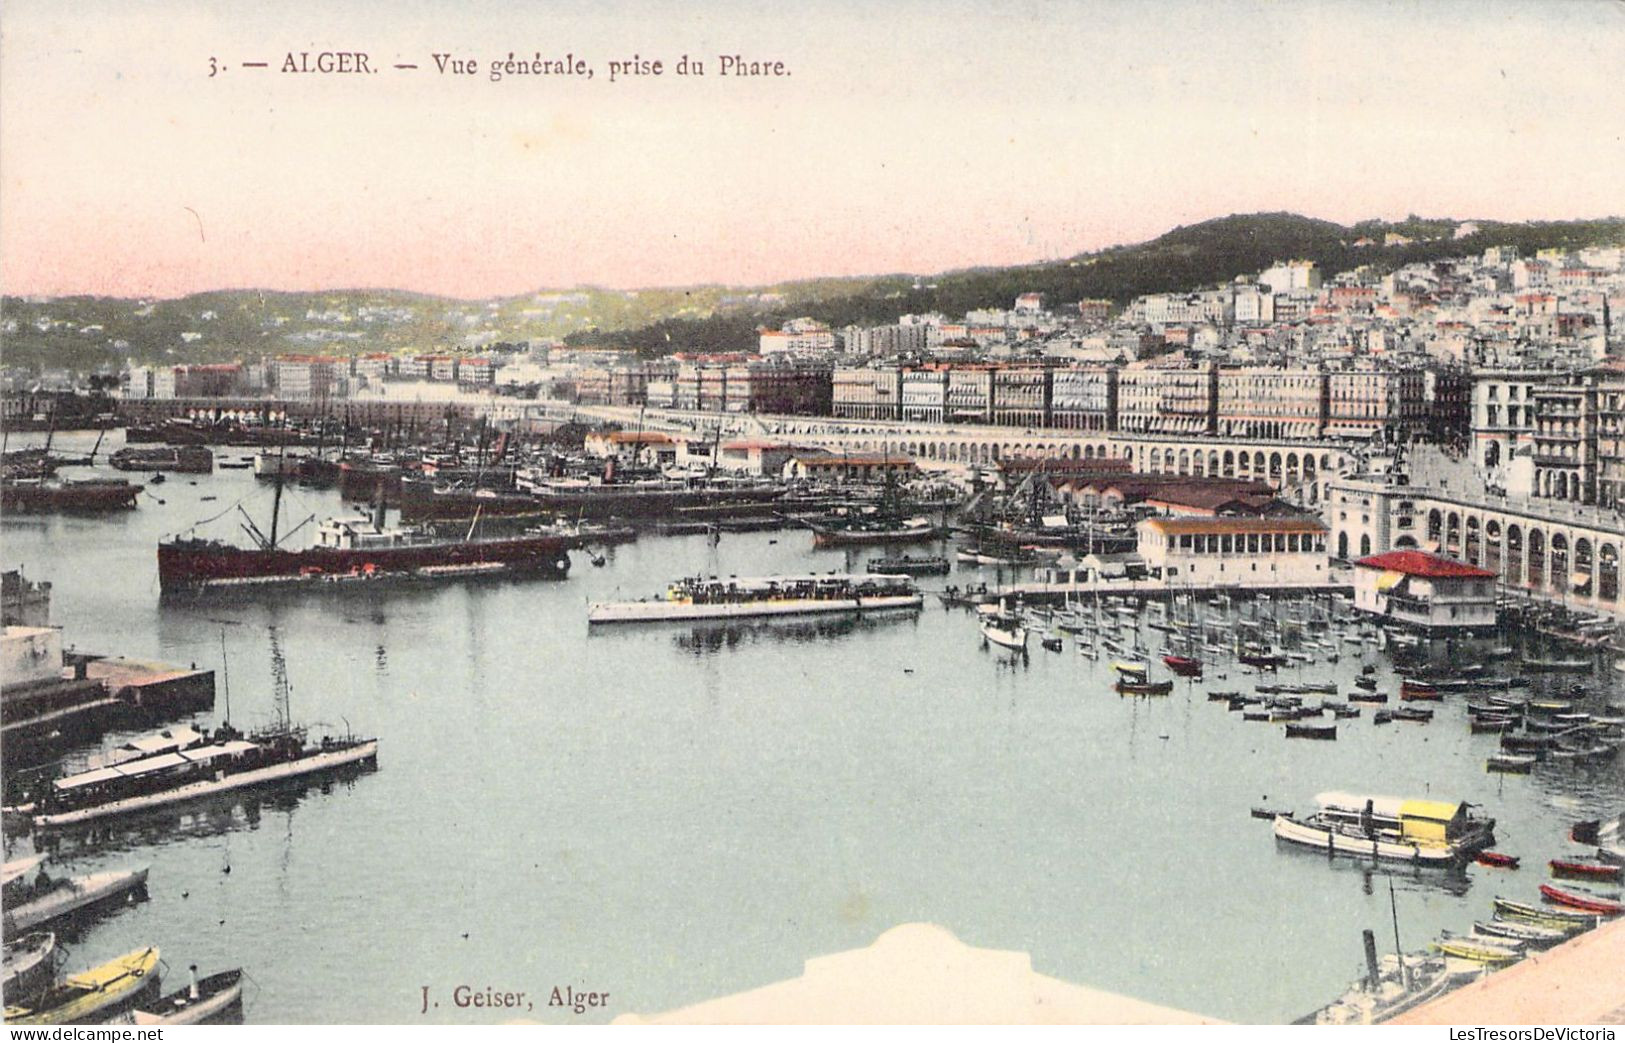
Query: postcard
[[1074, 512]]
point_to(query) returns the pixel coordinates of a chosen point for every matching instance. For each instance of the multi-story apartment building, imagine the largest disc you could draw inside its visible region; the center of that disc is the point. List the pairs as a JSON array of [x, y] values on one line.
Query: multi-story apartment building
[[925, 393], [308, 378], [1502, 407], [1163, 397], [476, 370], [778, 385], [884, 340], [1021, 396], [969, 394], [1608, 398], [208, 381], [1369, 400], [1270, 402], [867, 392], [374, 367], [1564, 444], [798, 336], [592, 385], [1084, 398]]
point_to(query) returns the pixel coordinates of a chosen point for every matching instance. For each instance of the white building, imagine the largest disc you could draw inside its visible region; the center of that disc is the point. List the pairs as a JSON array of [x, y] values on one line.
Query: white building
[[1291, 275], [1212, 552], [1425, 590]]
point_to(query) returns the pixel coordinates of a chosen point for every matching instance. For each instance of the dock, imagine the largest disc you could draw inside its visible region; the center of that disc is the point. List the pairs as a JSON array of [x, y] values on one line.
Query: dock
[[92, 695], [1148, 589], [1576, 983]]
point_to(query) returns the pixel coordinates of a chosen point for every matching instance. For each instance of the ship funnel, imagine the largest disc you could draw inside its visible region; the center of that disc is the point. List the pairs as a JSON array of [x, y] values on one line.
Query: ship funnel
[[192, 992]]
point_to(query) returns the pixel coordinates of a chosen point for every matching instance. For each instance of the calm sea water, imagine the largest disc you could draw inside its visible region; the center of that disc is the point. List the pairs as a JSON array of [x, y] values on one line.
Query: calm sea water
[[668, 813]]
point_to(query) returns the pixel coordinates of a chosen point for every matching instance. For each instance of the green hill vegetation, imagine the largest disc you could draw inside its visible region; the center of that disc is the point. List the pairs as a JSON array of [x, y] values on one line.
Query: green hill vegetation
[[90, 334]]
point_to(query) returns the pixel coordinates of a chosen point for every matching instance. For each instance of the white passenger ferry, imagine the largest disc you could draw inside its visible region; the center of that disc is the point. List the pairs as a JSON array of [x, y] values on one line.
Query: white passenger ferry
[[700, 597]]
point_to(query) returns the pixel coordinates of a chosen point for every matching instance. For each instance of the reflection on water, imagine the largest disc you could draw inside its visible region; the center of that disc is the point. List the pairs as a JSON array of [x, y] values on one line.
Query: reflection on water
[[207, 817], [709, 637]]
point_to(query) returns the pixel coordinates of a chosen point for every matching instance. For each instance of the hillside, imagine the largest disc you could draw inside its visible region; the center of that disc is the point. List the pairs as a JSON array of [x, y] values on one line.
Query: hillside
[[90, 333]]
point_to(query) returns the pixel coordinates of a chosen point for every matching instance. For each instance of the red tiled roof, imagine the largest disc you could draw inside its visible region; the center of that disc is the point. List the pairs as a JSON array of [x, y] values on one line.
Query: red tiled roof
[[1421, 563]]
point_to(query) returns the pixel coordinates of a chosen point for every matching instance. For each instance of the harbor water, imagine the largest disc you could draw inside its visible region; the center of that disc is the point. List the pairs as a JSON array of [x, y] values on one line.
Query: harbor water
[[672, 812]]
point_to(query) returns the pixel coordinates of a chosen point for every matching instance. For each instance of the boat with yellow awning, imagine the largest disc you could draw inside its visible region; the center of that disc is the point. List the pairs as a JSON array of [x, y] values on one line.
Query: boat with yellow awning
[[94, 995], [1422, 832]]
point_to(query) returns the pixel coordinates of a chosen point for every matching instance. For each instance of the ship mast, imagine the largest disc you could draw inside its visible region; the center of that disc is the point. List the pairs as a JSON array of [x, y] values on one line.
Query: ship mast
[[280, 689], [276, 500]]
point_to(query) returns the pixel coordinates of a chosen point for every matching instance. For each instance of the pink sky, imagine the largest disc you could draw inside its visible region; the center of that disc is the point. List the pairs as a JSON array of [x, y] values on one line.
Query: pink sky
[[913, 137]]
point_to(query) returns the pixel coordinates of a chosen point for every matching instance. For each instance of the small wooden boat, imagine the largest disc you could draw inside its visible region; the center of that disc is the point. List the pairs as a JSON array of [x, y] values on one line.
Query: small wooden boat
[[1488, 725], [1269, 813], [30, 965], [1130, 667], [1184, 666], [96, 994], [1131, 686], [1255, 715], [1608, 904], [1005, 630], [62, 897], [1368, 697], [1511, 763], [1497, 859], [1479, 950], [1550, 706], [1532, 935], [1411, 690], [1586, 868], [1220, 697], [1523, 912], [1576, 666], [204, 1000], [1053, 644], [1311, 731], [1410, 713], [1526, 743]]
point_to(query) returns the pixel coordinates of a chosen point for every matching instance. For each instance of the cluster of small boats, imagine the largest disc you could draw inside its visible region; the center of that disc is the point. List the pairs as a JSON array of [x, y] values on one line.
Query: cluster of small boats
[[1514, 930], [123, 989], [1532, 730], [175, 766]]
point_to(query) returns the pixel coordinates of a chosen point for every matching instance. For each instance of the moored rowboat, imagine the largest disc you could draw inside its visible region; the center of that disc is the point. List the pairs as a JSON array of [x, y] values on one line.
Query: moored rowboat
[[93, 995], [1586, 868], [1578, 898]]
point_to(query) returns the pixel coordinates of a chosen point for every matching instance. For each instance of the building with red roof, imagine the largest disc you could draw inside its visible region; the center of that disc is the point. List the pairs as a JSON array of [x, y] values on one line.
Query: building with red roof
[[1427, 591]]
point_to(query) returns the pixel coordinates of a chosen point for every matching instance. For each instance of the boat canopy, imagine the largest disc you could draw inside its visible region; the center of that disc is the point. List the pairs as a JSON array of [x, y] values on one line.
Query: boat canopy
[[1424, 820], [148, 765]]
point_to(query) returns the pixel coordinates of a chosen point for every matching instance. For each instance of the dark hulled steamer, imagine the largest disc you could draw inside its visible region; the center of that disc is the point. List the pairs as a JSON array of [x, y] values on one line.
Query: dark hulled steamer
[[195, 564], [356, 549]]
